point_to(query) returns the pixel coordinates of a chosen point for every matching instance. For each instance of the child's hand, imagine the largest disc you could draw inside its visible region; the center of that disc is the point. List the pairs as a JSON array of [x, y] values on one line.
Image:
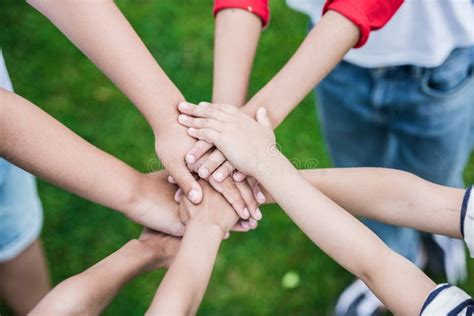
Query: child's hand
[[246, 143], [154, 203], [213, 210], [161, 246]]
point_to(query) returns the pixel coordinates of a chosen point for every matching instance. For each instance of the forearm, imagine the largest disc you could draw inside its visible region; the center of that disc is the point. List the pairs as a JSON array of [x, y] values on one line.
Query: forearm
[[390, 196], [184, 285], [100, 30], [348, 242], [321, 51], [36, 142], [393, 197], [322, 220], [89, 292], [237, 33]]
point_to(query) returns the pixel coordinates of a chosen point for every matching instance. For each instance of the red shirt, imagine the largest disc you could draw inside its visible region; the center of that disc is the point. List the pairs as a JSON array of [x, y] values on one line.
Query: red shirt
[[367, 15]]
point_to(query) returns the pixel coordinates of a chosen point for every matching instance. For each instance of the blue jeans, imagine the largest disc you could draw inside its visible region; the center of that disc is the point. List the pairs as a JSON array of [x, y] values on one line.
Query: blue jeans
[[416, 119]]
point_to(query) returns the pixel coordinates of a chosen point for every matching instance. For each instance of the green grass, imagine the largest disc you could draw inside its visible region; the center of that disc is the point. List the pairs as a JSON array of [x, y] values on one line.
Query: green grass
[[48, 70]]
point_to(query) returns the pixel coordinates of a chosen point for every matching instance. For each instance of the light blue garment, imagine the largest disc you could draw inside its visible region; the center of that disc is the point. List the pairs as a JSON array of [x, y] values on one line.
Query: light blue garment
[[416, 119], [21, 214]]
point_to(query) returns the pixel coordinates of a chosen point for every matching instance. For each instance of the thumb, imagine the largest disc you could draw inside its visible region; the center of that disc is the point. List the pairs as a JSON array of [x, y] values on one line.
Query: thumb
[[188, 184], [262, 117]]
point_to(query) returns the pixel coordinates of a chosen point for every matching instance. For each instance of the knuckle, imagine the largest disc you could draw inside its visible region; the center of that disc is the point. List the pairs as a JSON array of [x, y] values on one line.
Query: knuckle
[[211, 111]]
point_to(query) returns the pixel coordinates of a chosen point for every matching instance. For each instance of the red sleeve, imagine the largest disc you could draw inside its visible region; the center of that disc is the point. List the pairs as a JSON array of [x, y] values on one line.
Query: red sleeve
[[367, 15], [257, 7]]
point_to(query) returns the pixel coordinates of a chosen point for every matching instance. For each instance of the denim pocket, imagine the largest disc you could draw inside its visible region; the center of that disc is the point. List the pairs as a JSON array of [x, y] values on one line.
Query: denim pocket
[[452, 77]]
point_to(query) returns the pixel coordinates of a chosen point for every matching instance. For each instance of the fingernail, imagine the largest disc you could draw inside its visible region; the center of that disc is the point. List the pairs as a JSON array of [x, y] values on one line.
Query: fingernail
[[218, 176], [170, 179], [258, 214], [253, 223], [246, 213], [238, 176], [203, 172], [194, 196], [260, 197], [190, 158], [183, 106]]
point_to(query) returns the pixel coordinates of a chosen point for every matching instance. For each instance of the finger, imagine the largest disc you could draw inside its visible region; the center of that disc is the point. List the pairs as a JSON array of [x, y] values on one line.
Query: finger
[[189, 121], [215, 159], [262, 117], [239, 227], [253, 223], [232, 194], [177, 195], [197, 151], [227, 235], [207, 134], [247, 195], [223, 171], [238, 176], [246, 225], [203, 110], [187, 183], [171, 180], [259, 196], [195, 166]]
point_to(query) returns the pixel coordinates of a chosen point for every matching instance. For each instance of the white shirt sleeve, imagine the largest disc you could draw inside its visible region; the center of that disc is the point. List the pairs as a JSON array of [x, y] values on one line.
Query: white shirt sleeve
[[467, 220], [446, 299]]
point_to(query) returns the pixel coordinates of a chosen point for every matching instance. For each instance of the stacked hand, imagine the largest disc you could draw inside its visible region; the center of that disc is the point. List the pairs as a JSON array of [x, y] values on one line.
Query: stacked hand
[[214, 210], [207, 162], [246, 143]]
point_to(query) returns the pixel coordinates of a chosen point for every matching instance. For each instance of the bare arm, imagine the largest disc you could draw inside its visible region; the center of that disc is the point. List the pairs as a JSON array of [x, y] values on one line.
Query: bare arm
[[321, 51], [183, 287], [100, 30], [236, 37], [348, 241], [237, 33], [89, 292], [36, 142], [392, 196], [104, 35]]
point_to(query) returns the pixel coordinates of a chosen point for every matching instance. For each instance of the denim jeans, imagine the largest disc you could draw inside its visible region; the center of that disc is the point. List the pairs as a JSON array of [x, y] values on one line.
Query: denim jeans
[[416, 119]]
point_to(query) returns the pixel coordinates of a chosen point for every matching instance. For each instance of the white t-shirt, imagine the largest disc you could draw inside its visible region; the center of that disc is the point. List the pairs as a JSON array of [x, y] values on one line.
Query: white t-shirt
[[421, 33]]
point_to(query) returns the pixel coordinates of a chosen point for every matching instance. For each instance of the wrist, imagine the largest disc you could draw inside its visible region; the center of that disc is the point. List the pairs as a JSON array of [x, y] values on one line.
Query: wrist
[[276, 165], [130, 198], [232, 97], [166, 119], [207, 227], [145, 193], [138, 251]]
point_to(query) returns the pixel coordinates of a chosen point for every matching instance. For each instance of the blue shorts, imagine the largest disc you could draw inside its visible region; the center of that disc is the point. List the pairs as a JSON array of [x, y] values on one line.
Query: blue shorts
[[21, 214]]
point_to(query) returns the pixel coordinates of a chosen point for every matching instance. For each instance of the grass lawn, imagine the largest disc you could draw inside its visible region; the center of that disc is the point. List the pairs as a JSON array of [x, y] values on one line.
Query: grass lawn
[[51, 72]]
